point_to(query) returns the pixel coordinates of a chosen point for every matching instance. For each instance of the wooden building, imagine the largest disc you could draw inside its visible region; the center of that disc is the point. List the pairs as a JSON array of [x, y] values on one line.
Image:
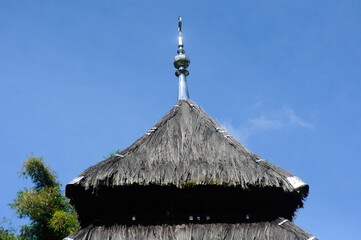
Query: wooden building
[[187, 178]]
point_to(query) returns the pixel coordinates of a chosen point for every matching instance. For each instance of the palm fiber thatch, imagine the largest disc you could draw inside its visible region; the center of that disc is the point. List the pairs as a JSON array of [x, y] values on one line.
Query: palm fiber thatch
[[280, 229], [187, 148]]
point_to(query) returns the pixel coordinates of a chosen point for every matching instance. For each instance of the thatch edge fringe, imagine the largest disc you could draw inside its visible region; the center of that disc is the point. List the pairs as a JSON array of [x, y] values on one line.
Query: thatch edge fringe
[[280, 229]]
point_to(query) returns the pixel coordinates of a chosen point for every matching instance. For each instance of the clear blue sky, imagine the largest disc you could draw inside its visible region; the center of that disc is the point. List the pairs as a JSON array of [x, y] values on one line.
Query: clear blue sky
[[80, 79]]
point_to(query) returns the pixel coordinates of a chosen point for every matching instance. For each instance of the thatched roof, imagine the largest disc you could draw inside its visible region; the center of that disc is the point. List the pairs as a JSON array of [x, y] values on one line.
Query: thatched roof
[[280, 229], [186, 165], [187, 148]]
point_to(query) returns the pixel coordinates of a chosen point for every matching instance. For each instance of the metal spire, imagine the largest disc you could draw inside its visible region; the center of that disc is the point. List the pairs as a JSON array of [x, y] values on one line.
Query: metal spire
[[181, 62]]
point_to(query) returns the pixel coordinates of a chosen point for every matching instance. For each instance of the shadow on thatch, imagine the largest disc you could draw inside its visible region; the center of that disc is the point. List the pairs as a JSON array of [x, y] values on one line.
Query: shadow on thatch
[[147, 205]]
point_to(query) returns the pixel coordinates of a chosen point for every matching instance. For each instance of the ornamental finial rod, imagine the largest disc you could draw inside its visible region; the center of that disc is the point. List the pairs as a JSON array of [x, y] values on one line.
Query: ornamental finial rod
[[181, 62], [179, 24], [180, 37]]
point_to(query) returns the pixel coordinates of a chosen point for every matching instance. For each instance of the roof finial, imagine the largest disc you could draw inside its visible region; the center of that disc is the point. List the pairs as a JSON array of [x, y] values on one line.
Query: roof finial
[[181, 62], [179, 24]]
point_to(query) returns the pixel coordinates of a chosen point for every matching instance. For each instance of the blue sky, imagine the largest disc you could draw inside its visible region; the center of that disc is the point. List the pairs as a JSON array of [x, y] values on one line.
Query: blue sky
[[80, 79]]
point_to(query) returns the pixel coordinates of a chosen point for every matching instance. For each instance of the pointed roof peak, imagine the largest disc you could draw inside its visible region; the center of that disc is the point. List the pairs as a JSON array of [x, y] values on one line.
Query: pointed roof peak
[[189, 144]]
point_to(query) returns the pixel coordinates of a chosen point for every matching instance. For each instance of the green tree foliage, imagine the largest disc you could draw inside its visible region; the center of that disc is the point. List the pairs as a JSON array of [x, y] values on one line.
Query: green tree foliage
[[112, 154], [7, 233], [49, 211]]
